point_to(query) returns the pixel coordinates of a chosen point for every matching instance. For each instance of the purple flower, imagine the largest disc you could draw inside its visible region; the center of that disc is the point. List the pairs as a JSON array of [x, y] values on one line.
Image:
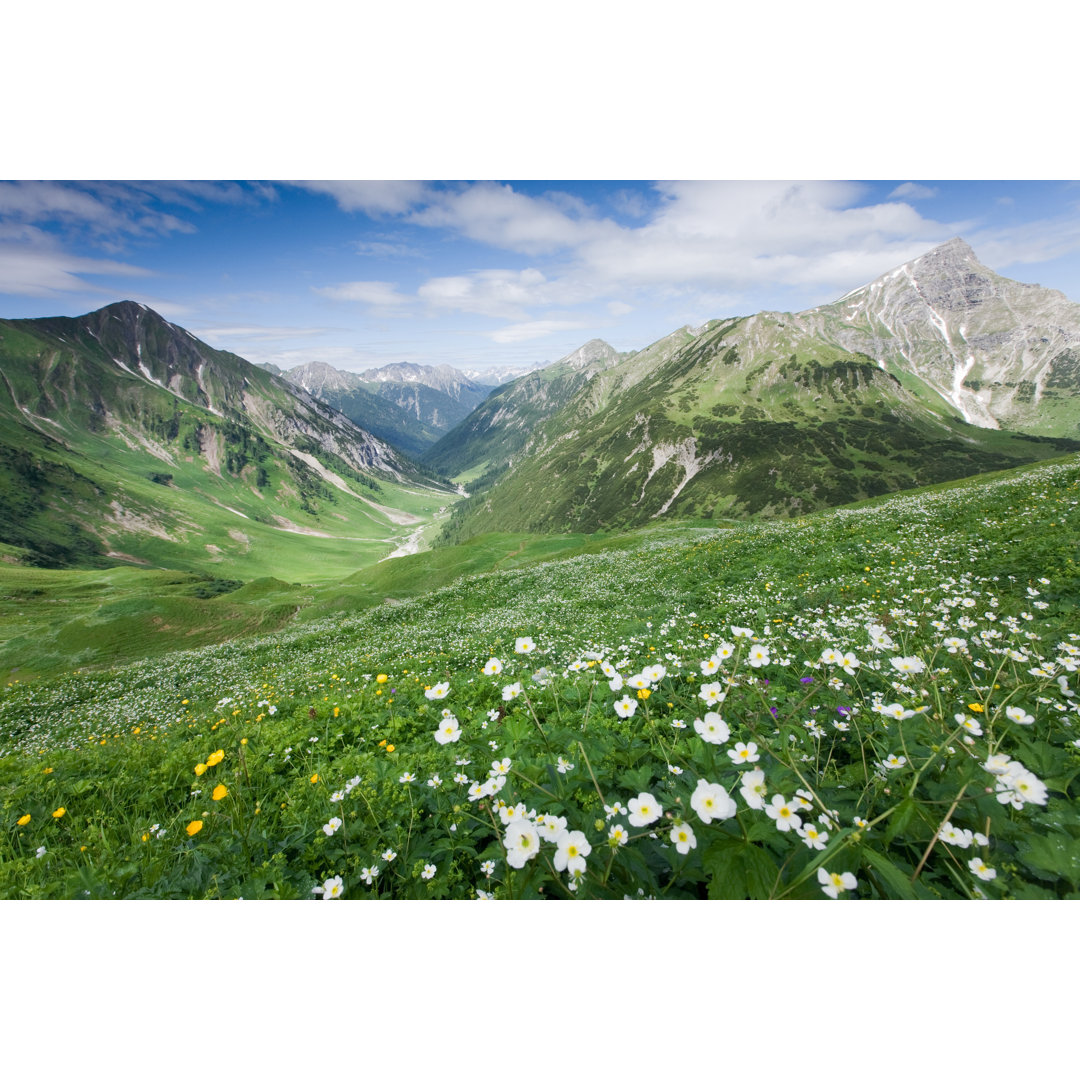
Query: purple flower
[[774, 710], [843, 710], [808, 678]]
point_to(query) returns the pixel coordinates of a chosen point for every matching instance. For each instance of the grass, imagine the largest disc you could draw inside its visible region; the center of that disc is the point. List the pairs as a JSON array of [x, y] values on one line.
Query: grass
[[956, 606]]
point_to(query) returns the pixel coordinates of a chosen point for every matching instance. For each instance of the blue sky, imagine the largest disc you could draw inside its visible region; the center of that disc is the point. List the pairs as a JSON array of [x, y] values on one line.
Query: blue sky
[[477, 274]]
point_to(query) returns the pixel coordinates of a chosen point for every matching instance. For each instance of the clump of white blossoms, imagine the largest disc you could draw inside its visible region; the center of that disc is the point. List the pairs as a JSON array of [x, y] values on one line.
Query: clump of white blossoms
[[833, 885]]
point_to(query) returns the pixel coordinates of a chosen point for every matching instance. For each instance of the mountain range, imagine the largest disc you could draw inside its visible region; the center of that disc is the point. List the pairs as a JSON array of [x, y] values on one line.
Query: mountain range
[[938, 369], [124, 437]]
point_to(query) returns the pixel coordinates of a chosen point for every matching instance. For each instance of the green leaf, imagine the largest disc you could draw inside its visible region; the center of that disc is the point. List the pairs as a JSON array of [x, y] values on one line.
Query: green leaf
[[1054, 853], [905, 814], [896, 884]]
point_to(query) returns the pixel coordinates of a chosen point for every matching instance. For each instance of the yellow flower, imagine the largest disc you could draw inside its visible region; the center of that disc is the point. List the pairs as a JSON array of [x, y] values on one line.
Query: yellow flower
[[382, 742], [48, 770], [145, 837], [975, 708], [184, 702], [644, 693], [215, 757], [380, 678], [193, 827], [219, 792], [243, 742], [390, 748], [24, 820], [337, 712], [200, 768], [314, 778], [136, 730], [59, 812]]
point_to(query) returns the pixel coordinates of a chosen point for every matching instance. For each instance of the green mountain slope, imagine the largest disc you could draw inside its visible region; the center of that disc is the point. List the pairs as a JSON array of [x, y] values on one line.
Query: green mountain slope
[[124, 438]]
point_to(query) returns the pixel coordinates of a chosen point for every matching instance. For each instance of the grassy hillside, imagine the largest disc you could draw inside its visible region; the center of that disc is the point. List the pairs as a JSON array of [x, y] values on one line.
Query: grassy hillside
[[125, 440], [876, 701], [748, 417]]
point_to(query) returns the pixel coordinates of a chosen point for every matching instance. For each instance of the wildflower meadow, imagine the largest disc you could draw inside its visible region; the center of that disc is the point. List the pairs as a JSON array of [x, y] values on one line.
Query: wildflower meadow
[[876, 702]]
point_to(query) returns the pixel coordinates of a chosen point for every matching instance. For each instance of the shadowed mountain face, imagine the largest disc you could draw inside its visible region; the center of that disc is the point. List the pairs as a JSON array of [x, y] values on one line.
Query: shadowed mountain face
[[907, 381], [119, 422]]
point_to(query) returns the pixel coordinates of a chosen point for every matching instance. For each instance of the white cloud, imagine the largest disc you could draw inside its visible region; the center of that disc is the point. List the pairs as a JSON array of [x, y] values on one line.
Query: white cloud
[[526, 331], [495, 214], [374, 293], [384, 249], [617, 307], [31, 264], [372, 197], [213, 334], [501, 294], [912, 191]]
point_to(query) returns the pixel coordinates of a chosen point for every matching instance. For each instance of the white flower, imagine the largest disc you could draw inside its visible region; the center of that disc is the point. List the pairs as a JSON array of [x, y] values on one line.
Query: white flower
[[907, 663], [834, 884], [655, 673], [488, 866], [512, 813], [428, 872], [434, 781], [625, 706], [40, 851], [981, 870], [449, 731], [638, 682], [812, 838], [960, 838], [710, 666], [369, 874], [551, 828], [524, 645], [783, 813], [389, 855], [331, 888], [831, 656], [753, 788], [712, 729], [743, 753], [711, 802], [510, 692], [337, 796], [968, 723], [571, 850], [521, 841], [758, 656], [332, 826], [493, 666], [406, 778], [617, 835], [682, 836], [437, 692], [894, 762], [741, 631], [500, 768], [1018, 716], [616, 683], [849, 661], [712, 693], [563, 765], [644, 810]]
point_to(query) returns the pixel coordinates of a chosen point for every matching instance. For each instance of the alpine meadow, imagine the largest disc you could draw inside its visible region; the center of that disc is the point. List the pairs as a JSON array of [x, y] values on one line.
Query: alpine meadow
[[777, 606]]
